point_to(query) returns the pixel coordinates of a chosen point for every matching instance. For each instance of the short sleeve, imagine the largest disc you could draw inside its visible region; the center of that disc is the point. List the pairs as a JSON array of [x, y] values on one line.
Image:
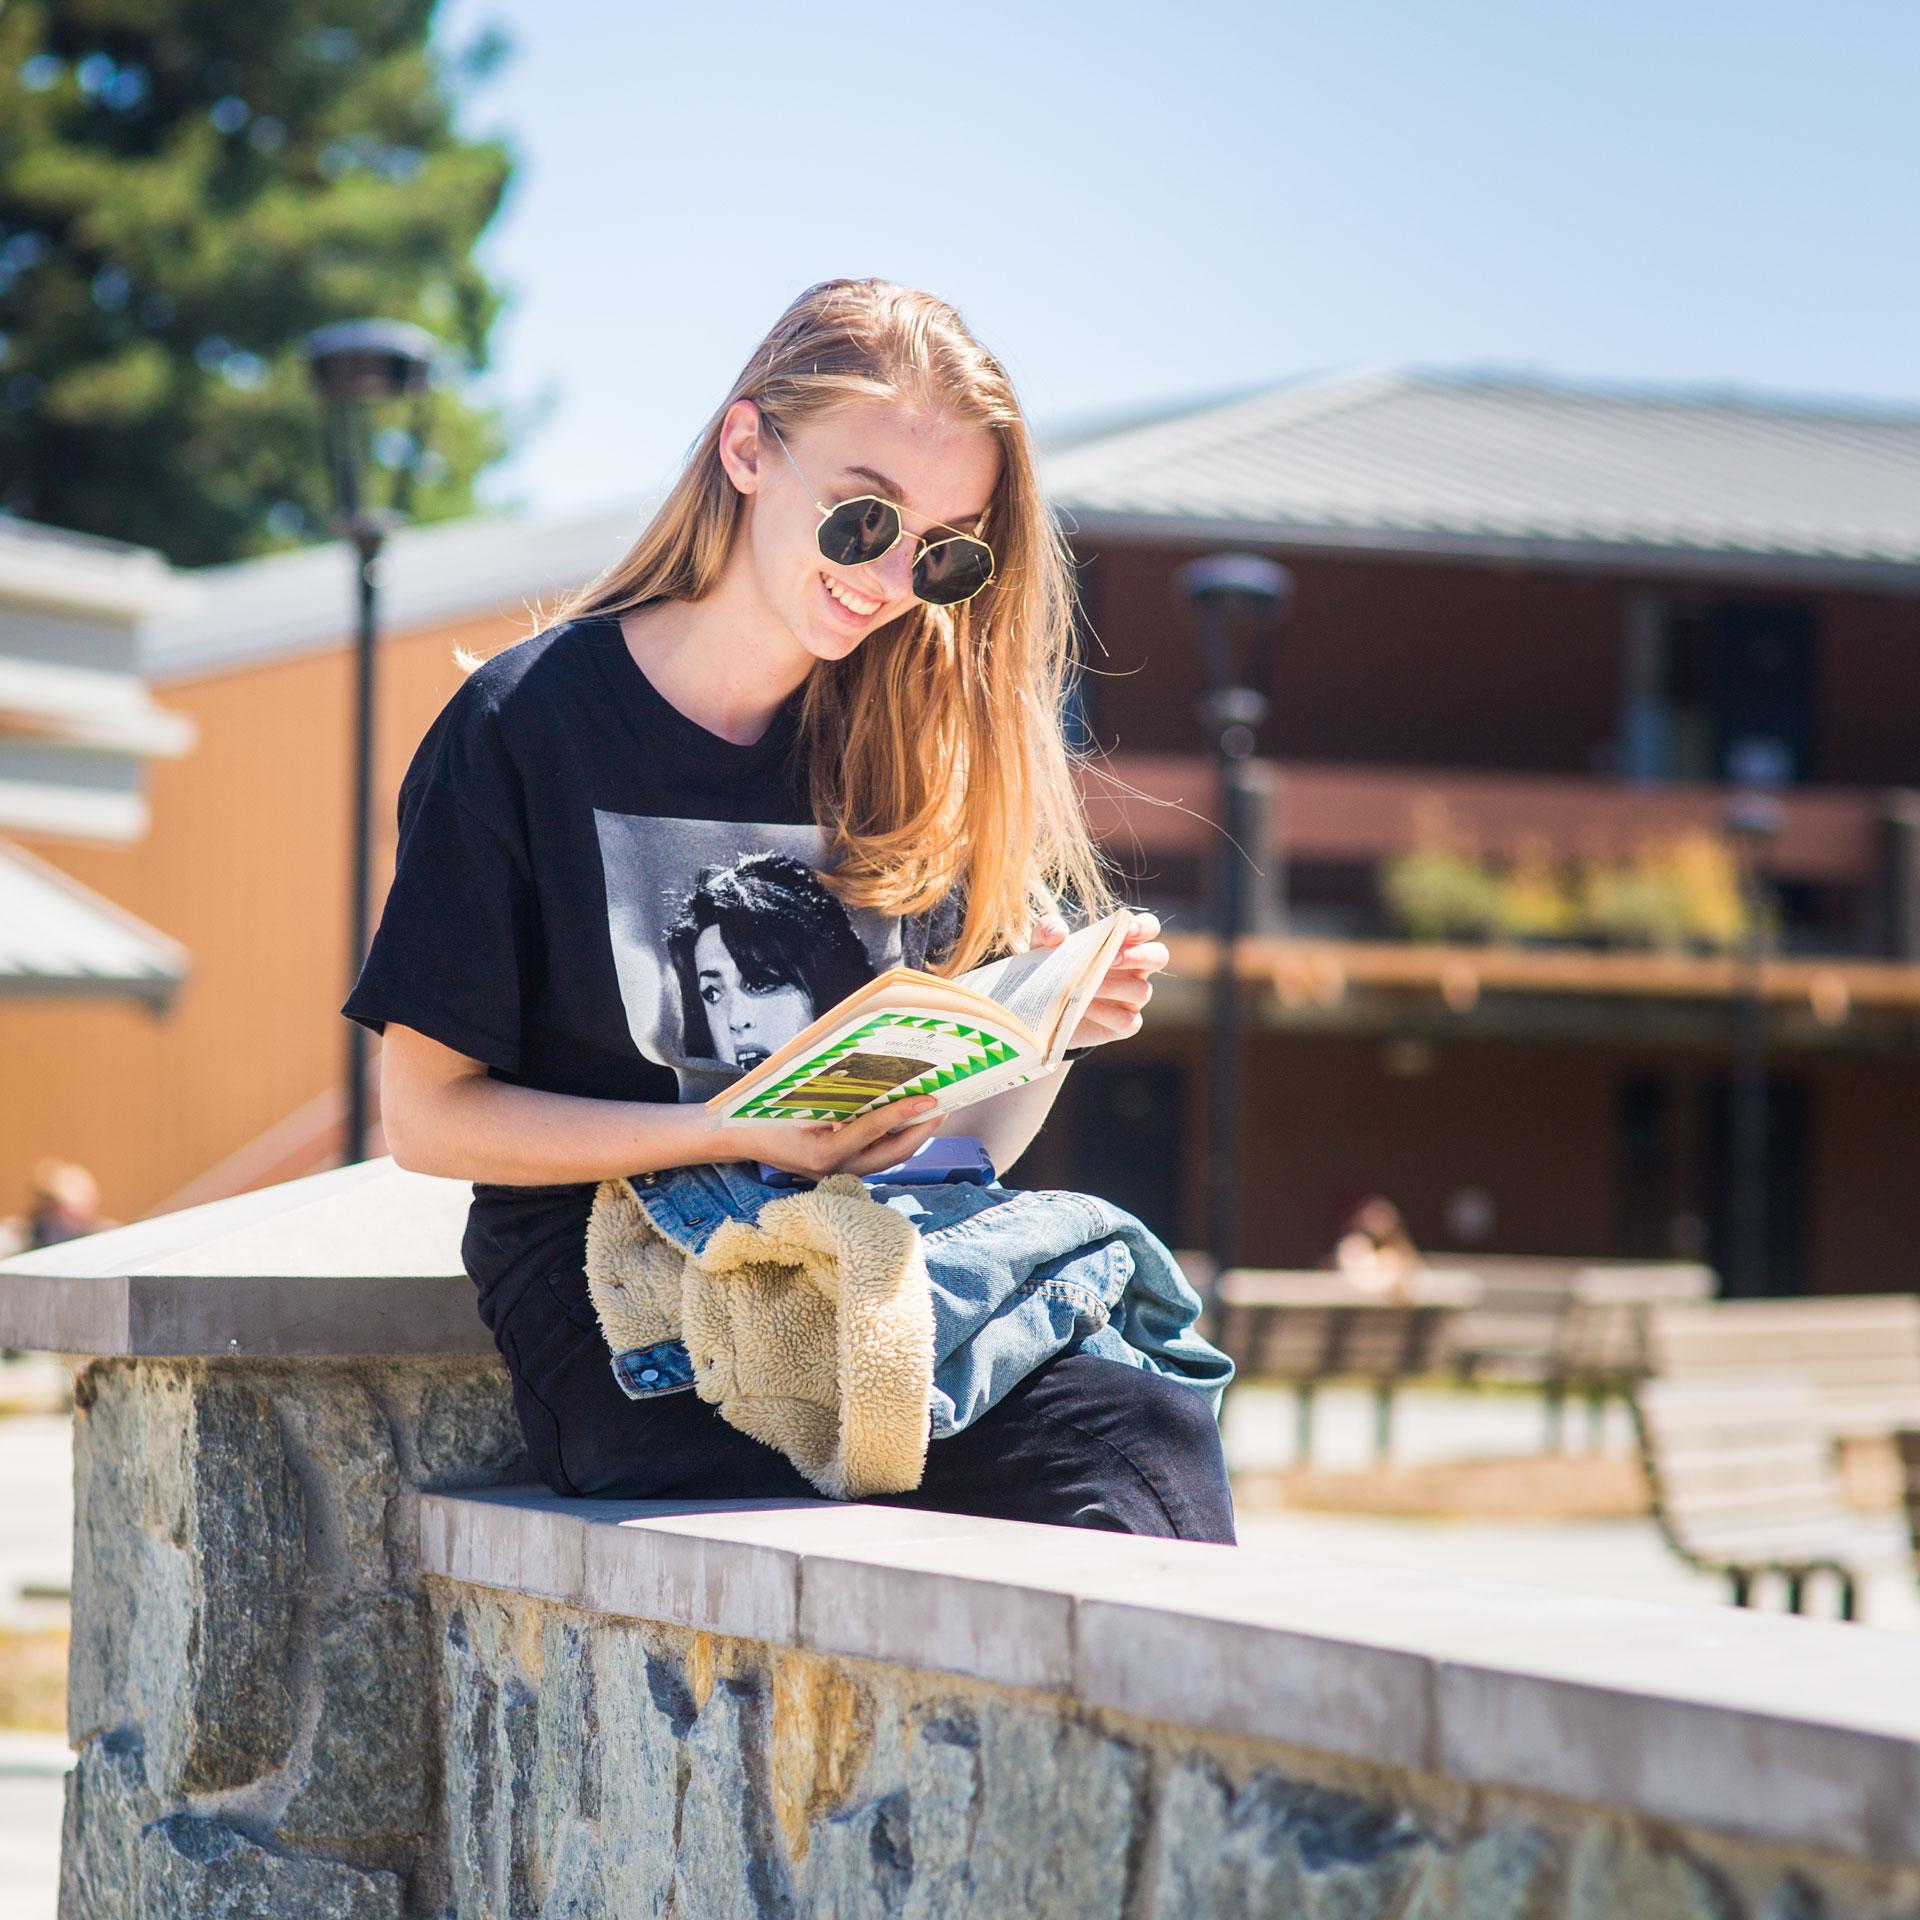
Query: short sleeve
[[456, 945]]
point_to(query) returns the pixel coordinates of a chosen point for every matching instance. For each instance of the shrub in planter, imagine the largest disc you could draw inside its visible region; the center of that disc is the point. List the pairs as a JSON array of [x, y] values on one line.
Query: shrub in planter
[[1632, 906], [1534, 905], [1704, 874], [1434, 893]]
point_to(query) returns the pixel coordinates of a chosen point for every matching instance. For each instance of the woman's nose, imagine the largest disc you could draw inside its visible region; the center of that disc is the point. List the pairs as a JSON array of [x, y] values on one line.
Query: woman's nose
[[892, 573]]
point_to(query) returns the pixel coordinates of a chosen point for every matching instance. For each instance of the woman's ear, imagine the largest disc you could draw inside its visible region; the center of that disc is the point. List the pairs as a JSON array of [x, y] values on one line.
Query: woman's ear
[[740, 445]]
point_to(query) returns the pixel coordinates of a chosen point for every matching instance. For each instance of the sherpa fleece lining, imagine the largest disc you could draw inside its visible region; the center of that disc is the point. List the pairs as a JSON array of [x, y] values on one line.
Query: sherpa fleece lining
[[810, 1328]]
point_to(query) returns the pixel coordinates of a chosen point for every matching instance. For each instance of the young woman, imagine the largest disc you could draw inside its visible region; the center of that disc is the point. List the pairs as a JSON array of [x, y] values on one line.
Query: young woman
[[844, 638]]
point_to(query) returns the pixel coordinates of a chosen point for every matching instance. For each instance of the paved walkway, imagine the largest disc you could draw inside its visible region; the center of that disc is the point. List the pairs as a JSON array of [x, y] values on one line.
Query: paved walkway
[[32, 1794], [36, 1543]]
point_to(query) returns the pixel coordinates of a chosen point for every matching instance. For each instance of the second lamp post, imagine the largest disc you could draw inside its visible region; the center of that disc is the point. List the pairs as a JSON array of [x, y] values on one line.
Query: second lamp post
[[373, 378], [1237, 604]]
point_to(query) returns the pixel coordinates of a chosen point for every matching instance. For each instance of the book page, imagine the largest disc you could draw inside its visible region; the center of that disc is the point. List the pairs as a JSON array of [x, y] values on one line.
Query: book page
[[1037, 986]]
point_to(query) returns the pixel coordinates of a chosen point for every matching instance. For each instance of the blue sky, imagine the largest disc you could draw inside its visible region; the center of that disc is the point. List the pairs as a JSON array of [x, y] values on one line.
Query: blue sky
[[1134, 202]]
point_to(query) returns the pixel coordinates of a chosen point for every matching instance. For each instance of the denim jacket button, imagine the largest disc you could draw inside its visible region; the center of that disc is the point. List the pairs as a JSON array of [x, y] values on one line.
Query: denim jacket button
[[651, 1373]]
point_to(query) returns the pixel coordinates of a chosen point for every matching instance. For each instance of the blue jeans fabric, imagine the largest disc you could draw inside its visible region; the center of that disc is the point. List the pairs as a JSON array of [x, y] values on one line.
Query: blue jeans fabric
[[1018, 1277]]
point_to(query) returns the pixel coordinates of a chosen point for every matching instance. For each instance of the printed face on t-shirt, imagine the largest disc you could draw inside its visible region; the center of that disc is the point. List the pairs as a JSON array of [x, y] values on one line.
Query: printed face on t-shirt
[[745, 1023], [725, 940]]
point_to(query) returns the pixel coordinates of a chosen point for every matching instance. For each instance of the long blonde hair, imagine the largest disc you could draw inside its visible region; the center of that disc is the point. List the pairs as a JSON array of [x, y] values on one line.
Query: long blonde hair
[[935, 748]]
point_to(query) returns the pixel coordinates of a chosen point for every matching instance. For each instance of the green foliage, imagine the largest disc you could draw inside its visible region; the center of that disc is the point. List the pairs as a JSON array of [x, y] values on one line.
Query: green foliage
[[1436, 894], [1675, 893], [187, 187]]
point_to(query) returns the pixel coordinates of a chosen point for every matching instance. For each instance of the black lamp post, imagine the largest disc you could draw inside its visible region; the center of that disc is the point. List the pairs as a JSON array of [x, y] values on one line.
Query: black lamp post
[[372, 377], [1752, 820], [1237, 604]]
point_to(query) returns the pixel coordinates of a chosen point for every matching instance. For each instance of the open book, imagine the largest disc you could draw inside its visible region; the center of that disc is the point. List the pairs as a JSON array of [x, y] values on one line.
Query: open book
[[907, 1032]]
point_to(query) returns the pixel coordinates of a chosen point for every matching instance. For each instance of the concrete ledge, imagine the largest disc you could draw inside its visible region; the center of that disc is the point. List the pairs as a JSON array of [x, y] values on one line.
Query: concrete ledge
[[360, 1260], [1767, 1728]]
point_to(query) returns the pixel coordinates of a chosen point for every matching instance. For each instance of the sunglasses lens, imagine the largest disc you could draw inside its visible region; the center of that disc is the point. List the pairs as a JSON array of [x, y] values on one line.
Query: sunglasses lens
[[858, 531], [953, 571]]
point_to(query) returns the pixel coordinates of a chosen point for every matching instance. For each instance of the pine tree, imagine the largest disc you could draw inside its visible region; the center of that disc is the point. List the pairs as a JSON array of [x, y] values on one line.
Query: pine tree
[[187, 187]]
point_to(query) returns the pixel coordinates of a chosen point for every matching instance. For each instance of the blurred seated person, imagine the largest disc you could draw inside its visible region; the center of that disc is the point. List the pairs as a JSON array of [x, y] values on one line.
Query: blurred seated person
[[1375, 1251], [63, 1204]]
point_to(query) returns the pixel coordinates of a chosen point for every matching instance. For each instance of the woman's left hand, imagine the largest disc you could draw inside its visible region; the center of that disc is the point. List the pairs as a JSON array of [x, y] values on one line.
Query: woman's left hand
[[1114, 1012]]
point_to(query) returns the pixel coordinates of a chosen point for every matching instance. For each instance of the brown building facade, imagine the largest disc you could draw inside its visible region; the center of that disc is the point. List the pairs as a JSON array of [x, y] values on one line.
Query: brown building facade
[[1575, 674]]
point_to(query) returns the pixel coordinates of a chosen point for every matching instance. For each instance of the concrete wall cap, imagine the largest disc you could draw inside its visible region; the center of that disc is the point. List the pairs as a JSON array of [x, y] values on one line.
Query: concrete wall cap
[[361, 1259]]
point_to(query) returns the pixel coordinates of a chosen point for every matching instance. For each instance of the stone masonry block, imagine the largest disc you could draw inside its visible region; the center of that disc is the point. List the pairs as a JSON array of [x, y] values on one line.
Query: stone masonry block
[[342, 1440], [188, 1548], [108, 1802], [201, 1870], [1618, 1870], [1512, 1873], [860, 1861], [729, 1864], [646, 1709], [459, 1422], [1058, 1811], [369, 1770], [470, 1771], [246, 1527], [1279, 1846]]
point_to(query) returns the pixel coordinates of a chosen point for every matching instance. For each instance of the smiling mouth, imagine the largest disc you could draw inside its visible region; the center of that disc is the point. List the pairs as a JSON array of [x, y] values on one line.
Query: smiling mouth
[[854, 605]]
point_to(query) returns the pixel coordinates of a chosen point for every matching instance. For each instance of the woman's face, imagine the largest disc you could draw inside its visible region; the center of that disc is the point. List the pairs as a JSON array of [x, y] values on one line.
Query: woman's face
[[747, 1023], [940, 473]]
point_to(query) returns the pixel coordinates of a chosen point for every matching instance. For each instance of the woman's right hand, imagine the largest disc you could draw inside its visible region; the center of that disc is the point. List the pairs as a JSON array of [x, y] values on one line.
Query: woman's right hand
[[813, 1150]]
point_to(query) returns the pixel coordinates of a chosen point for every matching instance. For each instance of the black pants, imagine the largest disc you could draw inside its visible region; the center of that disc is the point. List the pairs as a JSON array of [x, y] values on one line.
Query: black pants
[[1081, 1442]]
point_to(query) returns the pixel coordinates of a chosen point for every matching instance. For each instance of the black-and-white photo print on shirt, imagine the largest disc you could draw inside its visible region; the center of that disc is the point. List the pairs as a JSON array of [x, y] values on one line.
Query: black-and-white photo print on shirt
[[725, 941]]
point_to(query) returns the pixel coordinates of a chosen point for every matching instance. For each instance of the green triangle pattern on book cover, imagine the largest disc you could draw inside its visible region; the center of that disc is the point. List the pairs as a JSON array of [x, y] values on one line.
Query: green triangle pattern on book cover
[[991, 1052]]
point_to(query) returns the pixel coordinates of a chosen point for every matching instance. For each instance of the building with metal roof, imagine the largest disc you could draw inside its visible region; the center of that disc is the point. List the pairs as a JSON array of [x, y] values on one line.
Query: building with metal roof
[[1494, 466], [1568, 612]]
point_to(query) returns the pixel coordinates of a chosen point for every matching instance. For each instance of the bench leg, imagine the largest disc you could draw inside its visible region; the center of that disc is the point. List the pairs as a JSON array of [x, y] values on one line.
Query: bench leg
[[1303, 1426], [1742, 1583], [1849, 1597], [1556, 1416], [1382, 1421], [1796, 1592]]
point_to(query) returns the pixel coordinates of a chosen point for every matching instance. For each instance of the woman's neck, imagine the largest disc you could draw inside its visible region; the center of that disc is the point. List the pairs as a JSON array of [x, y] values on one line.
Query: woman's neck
[[717, 661]]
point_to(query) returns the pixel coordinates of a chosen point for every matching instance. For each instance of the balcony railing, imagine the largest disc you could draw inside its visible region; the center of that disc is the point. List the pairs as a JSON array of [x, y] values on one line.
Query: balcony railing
[[1862, 841]]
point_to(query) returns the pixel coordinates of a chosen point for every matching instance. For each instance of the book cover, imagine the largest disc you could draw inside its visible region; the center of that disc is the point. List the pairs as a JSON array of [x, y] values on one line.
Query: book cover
[[908, 1033]]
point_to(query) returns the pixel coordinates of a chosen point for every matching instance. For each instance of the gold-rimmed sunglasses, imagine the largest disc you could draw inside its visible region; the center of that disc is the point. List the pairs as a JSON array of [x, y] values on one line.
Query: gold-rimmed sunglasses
[[857, 532]]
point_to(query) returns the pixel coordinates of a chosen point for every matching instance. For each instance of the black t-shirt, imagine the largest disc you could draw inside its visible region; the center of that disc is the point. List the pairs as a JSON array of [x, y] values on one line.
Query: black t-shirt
[[596, 895]]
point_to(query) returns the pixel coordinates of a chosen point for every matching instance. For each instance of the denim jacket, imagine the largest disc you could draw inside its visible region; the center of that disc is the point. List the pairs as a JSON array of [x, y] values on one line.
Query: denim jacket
[[1017, 1275]]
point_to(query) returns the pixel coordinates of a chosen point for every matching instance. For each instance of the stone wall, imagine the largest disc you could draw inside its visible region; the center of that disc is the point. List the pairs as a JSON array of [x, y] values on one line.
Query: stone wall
[[252, 1687], [604, 1767], [333, 1661]]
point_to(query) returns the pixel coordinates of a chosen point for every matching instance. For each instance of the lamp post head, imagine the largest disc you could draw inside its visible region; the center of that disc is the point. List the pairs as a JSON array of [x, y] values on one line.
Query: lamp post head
[[367, 372], [370, 359], [1237, 603], [1243, 584]]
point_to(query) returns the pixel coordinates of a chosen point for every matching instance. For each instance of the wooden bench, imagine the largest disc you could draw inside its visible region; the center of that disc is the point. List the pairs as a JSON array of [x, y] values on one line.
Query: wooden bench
[[1301, 1328], [1861, 1352], [1603, 1336], [1573, 1327], [1744, 1483]]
